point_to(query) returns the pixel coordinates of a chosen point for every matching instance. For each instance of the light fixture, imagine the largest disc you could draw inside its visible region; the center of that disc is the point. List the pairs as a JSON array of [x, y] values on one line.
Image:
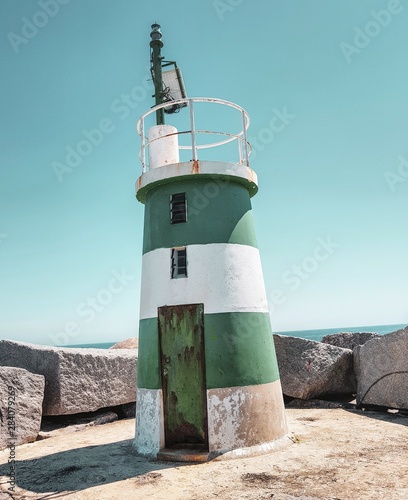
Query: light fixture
[[173, 89]]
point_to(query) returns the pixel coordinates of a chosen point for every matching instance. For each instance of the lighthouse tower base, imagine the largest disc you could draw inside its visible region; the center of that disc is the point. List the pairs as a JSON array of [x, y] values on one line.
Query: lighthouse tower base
[[208, 380], [208, 385], [258, 411]]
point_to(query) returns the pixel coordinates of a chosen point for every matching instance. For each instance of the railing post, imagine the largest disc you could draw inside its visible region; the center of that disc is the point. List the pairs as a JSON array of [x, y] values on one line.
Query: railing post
[[192, 125], [240, 151], [144, 169], [245, 139]]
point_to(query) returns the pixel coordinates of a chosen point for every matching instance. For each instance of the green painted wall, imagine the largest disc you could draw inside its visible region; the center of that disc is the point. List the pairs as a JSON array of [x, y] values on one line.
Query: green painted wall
[[148, 368], [239, 351], [218, 211]]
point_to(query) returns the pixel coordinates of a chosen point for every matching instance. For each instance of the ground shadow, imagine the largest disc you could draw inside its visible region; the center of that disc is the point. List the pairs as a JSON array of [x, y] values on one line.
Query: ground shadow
[[382, 414], [73, 470], [348, 404]]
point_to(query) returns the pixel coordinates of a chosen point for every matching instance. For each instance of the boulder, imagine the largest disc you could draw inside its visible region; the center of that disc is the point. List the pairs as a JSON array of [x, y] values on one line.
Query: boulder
[[309, 369], [132, 343], [349, 340], [21, 400], [381, 368], [76, 380]]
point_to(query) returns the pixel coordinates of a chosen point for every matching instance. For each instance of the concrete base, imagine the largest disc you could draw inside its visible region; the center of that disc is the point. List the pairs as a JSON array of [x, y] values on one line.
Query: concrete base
[[253, 451], [184, 453], [194, 454], [242, 422], [245, 418]]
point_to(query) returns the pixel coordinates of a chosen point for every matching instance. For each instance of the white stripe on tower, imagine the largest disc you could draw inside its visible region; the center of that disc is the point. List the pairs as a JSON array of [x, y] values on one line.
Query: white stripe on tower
[[225, 277]]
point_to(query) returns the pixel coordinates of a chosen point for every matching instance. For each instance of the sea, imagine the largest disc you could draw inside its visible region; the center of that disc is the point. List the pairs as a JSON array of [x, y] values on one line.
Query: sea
[[304, 334]]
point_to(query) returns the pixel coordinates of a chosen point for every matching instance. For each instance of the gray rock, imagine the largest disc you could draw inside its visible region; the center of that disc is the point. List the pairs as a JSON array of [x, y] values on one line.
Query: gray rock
[[76, 380], [349, 340], [381, 367], [131, 343], [21, 399], [309, 369]]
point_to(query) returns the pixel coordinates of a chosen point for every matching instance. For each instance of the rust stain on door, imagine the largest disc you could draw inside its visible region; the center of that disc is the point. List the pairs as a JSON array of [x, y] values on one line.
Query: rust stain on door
[[183, 374]]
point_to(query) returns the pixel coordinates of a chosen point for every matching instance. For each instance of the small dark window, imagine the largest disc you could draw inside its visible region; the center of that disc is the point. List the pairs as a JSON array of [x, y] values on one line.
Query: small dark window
[[179, 263], [178, 208]]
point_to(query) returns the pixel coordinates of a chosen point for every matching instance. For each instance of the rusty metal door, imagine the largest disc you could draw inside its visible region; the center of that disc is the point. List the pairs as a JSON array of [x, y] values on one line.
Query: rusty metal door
[[181, 330]]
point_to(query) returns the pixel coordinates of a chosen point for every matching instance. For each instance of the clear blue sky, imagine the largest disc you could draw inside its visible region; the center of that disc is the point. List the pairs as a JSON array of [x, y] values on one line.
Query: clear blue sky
[[336, 171]]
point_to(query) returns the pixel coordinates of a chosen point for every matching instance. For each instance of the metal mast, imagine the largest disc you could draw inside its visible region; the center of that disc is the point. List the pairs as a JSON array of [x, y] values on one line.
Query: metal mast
[[156, 68]]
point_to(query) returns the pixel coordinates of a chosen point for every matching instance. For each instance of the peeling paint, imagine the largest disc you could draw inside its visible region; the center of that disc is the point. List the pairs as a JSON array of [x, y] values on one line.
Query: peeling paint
[[139, 183], [149, 422], [183, 373], [163, 146], [195, 167], [206, 169], [252, 176], [241, 417]]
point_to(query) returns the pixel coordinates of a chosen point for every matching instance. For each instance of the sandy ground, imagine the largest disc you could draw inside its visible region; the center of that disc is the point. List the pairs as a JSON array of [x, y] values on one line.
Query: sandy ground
[[336, 454]]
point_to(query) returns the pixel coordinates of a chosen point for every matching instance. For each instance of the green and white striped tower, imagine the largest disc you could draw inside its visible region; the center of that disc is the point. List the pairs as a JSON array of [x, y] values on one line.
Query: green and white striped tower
[[207, 377]]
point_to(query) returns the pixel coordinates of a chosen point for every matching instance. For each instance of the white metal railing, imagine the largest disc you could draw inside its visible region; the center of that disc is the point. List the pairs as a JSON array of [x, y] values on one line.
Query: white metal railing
[[244, 147]]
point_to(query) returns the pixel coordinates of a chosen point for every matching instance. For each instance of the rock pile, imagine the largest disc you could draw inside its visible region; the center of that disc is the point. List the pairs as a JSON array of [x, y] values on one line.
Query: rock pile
[[63, 381], [349, 340], [381, 366], [372, 366], [76, 380], [21, 398], [131, 343], [37, 381], [310, 369]]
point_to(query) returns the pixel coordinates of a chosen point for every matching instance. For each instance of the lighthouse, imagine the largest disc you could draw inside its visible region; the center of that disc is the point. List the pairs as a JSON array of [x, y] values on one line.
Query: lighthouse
[[208, 384]]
